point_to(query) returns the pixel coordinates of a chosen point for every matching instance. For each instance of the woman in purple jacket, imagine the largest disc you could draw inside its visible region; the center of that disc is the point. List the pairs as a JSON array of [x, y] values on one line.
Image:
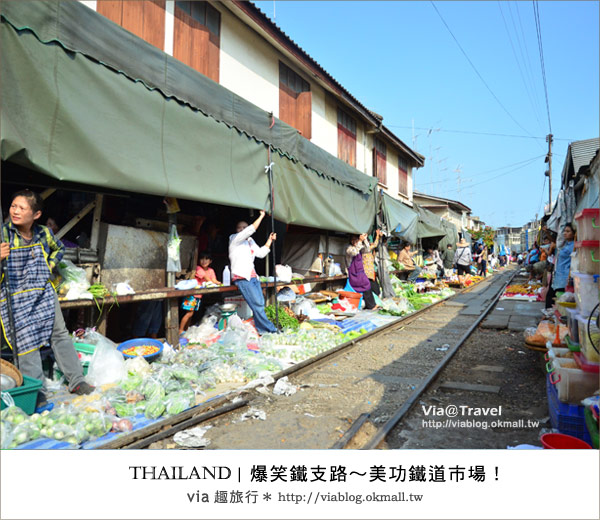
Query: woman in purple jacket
[[356, 271]]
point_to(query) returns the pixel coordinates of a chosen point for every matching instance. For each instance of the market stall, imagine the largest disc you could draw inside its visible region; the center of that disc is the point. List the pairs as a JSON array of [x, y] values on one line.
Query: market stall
[[143, 382]]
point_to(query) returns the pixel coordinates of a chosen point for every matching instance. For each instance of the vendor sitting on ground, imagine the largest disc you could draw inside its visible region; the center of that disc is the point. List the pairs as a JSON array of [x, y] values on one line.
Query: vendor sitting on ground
[[405, 258], [462, 260], [191, 304], [356, 271], [242, 251], [433, 255], [33, 252]]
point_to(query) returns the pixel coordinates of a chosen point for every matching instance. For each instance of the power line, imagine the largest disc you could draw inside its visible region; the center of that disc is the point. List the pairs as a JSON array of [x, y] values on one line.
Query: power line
[[472, 132], [538, 28], [510, 40], [476, 71], [495, 177], [527, 63], [528, 161]]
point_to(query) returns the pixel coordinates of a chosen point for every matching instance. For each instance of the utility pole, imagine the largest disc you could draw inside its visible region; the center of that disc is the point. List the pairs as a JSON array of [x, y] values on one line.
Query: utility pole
[[549, 171]]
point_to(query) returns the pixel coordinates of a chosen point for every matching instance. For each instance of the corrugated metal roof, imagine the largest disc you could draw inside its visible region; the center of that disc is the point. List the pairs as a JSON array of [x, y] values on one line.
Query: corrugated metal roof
[[368, 114], [582, 152], [447, 201], [579, 154]]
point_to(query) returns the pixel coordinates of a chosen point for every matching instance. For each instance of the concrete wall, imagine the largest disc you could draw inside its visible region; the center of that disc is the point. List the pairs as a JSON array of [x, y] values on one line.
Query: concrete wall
[[249, 66]]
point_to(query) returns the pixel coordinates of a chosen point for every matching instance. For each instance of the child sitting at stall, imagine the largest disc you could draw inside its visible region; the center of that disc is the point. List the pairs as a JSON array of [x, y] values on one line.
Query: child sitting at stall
[[204, 273]]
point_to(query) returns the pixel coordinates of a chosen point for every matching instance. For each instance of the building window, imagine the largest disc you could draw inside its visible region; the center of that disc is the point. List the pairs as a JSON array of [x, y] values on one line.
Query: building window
[[197, 37], [145, 19], [295, 102], [346, 138], [380, 162], [402, 176]]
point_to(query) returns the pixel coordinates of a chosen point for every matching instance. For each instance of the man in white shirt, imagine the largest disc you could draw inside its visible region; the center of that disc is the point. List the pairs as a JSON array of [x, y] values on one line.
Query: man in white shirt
[[242, 251]]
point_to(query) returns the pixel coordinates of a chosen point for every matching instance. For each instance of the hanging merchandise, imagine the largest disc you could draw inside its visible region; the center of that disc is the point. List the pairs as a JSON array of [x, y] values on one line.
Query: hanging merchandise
[[173, 257]]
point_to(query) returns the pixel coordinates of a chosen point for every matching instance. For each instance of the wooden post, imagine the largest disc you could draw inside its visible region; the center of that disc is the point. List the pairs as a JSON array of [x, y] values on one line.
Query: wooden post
[[172, 314], [96, 222]]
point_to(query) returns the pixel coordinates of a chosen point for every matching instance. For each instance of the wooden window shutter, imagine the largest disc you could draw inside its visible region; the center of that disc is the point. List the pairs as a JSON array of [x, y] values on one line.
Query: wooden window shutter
[[402, 181], [193, 43], [111, 10], [295, 101], [380, 162], [303, 114], [346, 138]]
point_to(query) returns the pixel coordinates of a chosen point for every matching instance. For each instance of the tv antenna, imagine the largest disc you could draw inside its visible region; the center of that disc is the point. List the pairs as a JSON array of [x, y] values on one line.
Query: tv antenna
[[458, 171]]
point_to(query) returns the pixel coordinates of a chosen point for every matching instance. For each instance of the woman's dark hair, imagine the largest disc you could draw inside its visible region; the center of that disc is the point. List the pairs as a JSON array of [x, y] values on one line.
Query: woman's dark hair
[[352, 238], [205, 256], [36, 203], [569, 225]]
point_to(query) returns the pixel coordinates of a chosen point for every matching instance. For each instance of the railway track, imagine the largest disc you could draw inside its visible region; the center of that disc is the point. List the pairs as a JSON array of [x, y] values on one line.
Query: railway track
[[366, 385]]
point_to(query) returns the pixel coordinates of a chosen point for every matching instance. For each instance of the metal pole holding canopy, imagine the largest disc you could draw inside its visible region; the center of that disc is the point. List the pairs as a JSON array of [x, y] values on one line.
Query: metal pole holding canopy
[[269, 172]]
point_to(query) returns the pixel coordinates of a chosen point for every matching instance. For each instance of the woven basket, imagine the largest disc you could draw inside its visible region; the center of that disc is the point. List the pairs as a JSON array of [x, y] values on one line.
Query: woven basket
[[11, 370]]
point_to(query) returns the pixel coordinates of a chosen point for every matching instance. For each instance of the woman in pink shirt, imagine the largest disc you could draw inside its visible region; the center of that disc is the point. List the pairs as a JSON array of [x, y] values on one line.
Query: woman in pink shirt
[[204, 273]]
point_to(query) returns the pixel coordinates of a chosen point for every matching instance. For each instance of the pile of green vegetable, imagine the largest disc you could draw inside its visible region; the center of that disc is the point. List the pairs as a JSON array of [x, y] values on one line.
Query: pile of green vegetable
[[286, 320], [62, 424]]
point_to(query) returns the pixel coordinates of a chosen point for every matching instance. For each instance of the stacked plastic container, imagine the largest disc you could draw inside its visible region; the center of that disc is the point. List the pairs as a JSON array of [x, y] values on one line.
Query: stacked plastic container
[[586, 280], [575, 376]]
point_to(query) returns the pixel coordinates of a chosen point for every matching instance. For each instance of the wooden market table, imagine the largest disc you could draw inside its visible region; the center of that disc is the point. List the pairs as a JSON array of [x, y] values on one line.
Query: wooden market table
[[172, 295]]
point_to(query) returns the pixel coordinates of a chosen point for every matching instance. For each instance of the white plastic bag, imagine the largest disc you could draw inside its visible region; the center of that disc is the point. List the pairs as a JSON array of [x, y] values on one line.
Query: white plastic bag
[[107, 365], [123, 288], [173, 257], [284, 273], [74, 285]]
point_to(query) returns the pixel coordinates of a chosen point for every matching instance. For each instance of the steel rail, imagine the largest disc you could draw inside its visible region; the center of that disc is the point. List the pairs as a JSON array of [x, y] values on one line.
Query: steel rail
[[409, 403]]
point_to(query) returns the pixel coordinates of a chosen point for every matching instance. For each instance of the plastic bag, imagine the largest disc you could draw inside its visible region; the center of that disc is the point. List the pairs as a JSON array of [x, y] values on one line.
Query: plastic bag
[[178, 402], [155, 408], [132, 381], [123, 288], [13, 415], [284, 273], [6, 435], [138, 366], [203, 333], [152, 389], [74, 285], [545, 331], [107, 365], [173, 256], [24, 432], [286, 294]]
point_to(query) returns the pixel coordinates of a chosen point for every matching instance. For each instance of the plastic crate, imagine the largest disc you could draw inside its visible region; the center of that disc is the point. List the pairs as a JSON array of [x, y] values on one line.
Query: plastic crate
[[572, 384], [566, 418], [85, 365], [84, 348], [25, 396], [588, 224]]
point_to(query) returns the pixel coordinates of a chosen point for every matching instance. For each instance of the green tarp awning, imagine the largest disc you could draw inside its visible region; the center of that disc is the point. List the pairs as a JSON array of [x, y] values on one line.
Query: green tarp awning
[[430, 225], [82, 30], [400, 219], [77, 120], [451, 237]]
